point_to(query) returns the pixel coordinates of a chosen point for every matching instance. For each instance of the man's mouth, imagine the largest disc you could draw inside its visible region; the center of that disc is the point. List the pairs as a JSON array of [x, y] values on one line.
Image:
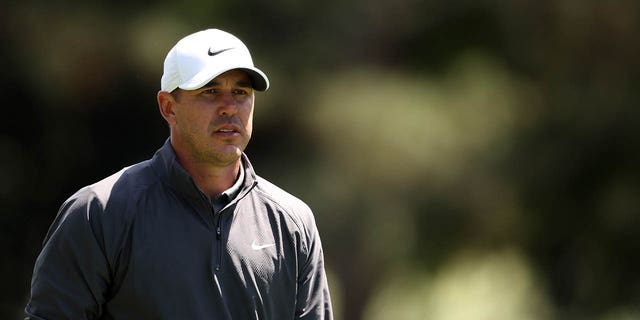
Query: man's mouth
[[228, 131]]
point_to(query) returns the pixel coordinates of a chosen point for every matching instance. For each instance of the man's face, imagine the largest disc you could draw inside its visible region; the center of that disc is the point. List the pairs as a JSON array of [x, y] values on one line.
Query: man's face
[[213, 124]]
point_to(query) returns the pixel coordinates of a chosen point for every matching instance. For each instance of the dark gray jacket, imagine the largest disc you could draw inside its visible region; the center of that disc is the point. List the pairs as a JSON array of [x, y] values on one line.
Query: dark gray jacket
[[145, 243]]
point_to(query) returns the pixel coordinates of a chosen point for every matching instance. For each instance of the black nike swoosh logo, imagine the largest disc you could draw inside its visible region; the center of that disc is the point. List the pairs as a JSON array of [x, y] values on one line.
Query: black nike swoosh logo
[[213, 53]]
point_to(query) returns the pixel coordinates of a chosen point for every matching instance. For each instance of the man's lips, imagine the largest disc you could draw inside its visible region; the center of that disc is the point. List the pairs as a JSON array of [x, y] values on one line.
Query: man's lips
[[228, 130]]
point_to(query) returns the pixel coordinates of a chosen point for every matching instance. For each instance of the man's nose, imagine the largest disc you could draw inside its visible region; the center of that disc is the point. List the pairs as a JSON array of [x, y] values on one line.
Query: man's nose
[[228, 105]]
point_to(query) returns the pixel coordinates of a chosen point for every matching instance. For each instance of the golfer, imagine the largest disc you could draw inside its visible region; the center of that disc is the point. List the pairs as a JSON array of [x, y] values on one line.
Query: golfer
[[193, 232]]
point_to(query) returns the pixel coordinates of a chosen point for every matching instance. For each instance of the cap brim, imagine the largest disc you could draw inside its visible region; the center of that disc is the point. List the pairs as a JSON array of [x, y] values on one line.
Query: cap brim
[[259, 80]]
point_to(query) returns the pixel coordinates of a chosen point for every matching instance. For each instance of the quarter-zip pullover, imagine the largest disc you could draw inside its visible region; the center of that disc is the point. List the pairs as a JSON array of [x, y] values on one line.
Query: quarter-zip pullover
[[146, 243]]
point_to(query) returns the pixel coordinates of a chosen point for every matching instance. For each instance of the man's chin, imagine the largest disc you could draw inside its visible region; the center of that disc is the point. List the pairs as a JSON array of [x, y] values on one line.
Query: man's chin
[[227, 156]]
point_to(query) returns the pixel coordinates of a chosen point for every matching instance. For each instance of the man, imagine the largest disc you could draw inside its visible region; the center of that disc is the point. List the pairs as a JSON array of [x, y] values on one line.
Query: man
[[192, 233]]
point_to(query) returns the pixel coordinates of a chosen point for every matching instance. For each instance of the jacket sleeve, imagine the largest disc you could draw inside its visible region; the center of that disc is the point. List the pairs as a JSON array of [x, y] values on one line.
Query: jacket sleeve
[[313, 298], [71, 276]]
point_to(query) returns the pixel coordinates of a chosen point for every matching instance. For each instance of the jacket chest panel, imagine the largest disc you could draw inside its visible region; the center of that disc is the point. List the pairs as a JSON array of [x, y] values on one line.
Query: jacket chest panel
[[259, 251], [171, 256]]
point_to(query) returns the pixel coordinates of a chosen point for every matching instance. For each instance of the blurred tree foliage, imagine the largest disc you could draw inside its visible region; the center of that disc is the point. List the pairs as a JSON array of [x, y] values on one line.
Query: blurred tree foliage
[[465, 159]]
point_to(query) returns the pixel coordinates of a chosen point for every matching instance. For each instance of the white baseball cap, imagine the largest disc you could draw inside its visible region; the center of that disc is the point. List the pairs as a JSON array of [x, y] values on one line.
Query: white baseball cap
[[200, 57]]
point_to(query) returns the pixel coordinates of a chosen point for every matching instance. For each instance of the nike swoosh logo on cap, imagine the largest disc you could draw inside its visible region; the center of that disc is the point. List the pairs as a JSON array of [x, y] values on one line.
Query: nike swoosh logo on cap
[[256, 246], [213, 53]]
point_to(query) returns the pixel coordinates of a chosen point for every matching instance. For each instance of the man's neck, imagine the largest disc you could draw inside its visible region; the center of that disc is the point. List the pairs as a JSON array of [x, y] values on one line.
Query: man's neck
[[214, 180], [211, 179]]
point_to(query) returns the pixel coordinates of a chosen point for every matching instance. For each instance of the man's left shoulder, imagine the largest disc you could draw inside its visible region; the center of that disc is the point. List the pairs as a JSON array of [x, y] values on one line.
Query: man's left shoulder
[[290, 205], [296, 214], [280, 196]]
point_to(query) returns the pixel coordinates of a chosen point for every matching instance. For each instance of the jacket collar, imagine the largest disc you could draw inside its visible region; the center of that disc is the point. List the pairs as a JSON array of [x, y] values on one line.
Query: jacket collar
[[171, 173]]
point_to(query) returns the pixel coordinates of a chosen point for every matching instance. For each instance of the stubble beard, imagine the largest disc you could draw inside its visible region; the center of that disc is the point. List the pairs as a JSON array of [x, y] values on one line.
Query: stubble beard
[[224, 154]]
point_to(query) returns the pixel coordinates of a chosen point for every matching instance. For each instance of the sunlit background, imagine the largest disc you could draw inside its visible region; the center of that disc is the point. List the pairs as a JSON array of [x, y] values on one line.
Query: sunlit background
[[465, 159]]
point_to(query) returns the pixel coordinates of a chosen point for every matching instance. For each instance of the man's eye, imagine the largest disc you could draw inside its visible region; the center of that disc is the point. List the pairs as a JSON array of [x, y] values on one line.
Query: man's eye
[[209, 91], [239, 91]]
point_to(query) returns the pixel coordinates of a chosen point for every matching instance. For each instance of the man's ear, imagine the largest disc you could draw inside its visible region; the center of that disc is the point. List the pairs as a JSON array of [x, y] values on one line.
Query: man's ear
[[166, 104]]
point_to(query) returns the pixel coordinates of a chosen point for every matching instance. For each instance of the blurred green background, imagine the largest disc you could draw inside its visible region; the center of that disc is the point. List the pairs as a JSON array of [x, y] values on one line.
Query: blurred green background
[[464, 159]]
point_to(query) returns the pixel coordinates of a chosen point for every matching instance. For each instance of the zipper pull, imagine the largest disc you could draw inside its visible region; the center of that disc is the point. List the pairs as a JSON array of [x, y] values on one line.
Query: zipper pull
[[219, 233]]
